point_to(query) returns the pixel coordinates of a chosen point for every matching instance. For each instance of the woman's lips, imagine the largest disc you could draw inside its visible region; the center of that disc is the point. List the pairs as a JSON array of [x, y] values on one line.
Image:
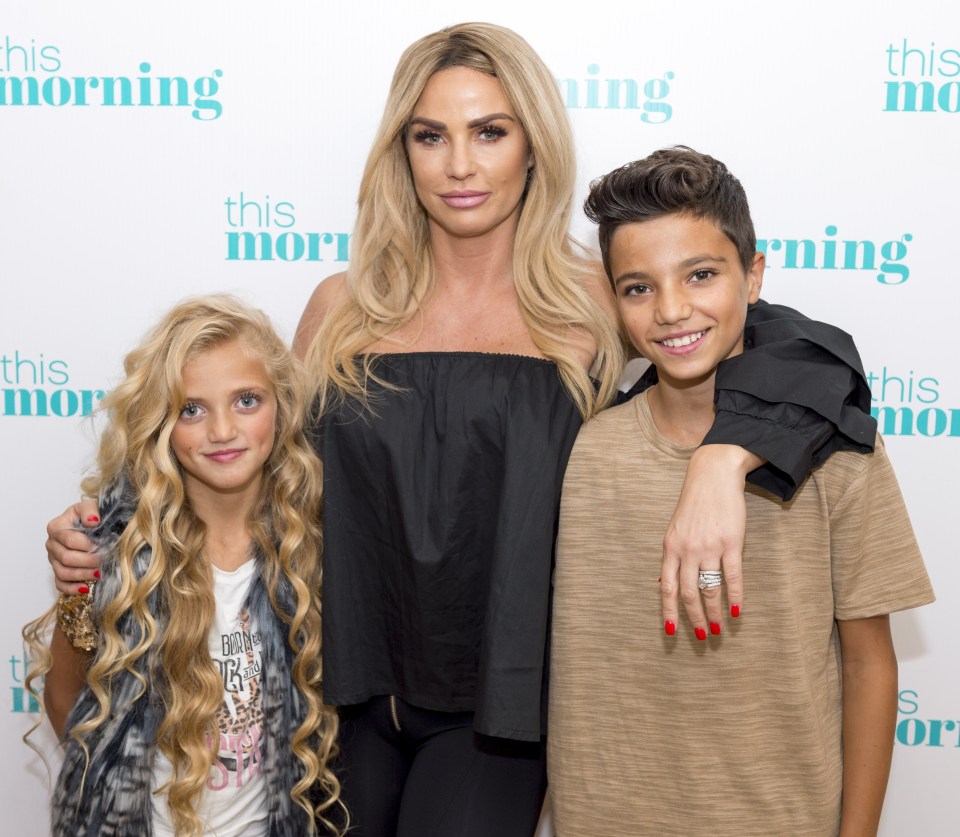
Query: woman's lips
[[464, 200]]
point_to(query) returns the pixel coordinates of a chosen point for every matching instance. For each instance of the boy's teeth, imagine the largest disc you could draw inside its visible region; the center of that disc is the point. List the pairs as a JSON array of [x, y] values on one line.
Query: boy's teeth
[[686, 340]]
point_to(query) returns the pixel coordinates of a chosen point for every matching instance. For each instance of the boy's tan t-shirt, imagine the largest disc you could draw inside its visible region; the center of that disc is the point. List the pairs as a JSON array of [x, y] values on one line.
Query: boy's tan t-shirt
[[739, 734]]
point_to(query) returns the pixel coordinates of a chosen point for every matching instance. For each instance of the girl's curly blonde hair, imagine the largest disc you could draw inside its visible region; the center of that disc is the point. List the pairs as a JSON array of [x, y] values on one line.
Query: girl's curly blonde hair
[[285, 526]]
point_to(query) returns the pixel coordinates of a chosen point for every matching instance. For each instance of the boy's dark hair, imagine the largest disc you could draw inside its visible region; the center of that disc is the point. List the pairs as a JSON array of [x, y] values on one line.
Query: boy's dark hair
[[672, 180]]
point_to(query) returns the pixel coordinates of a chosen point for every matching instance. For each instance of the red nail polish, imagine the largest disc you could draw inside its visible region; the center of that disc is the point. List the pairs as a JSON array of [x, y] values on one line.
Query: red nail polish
[[83, 589], [701, 633], [734, 611], [715, 628], [670, 628], [93, 519], [96, 573]]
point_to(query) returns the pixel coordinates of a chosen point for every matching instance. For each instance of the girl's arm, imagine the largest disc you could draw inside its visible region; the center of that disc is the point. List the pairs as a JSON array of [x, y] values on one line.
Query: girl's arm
[[869, 718], [63, 682]]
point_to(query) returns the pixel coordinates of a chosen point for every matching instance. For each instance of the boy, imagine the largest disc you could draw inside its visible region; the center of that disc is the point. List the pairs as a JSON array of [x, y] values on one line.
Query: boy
[[780, 723]]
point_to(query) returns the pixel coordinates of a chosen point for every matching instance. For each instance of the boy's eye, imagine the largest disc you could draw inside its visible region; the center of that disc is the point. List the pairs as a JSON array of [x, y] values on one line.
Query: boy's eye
[[703, 274], [635, 289]]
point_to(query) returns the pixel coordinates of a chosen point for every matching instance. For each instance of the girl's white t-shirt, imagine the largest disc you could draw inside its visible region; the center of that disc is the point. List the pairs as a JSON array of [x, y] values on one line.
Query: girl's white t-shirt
[[234, 803]]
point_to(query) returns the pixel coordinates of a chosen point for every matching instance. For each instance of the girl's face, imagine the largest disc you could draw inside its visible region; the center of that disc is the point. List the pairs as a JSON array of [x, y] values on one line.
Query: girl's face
[[226, 429], [468, 154]]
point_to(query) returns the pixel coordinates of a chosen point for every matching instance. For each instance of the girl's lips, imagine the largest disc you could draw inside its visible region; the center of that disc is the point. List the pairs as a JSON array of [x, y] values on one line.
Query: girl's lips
[[225, 455], [464, 200]]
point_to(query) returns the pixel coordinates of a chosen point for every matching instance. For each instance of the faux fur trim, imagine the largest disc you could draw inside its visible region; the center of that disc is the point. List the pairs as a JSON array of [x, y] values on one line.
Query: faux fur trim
[[110, 796]]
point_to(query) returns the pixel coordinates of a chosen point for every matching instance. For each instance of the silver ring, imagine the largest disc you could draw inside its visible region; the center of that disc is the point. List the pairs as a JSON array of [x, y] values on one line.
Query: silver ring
[[710, 579]]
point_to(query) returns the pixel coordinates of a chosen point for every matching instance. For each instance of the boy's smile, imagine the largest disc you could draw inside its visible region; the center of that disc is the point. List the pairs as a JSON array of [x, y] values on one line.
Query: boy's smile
[[683, 294]]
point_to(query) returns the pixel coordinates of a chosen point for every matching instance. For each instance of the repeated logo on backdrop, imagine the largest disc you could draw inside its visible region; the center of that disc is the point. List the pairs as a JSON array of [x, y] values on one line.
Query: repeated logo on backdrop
[[921, 77], [261, 229], [907, 403], [20, 699], [34, 385], [596, 92], [913, 730], [34, 75], [885, 259]]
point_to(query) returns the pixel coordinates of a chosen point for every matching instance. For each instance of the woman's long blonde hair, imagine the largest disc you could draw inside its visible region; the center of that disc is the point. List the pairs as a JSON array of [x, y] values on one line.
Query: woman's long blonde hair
[[285, 524], [392, 269]]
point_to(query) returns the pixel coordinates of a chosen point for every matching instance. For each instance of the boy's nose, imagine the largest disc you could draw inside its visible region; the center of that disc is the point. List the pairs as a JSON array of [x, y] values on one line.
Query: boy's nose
[[673, 306]]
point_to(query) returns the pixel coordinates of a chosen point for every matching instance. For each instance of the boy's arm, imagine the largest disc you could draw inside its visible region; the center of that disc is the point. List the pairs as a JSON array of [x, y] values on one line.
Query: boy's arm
[[869, 718], [63, 682]]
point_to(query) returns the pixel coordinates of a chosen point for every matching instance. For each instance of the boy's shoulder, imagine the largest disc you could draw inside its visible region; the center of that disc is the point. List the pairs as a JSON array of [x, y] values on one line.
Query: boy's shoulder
[[847, 469], [609, 422], [611, 436]]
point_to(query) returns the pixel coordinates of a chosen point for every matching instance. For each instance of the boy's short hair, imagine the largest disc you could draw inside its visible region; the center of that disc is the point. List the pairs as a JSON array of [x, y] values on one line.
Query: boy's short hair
[[672, 180]]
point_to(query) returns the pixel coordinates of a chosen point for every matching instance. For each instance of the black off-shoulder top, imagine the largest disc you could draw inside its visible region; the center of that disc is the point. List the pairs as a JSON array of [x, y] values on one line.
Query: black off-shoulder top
[[439, 522]]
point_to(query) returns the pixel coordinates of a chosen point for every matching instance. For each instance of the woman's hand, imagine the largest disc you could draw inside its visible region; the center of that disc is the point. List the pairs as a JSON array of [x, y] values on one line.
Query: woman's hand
[[706, 532], [69, 549]]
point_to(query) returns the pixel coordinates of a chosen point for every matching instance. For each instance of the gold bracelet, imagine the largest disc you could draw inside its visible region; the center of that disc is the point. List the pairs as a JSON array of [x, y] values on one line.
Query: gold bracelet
[[75, 620]]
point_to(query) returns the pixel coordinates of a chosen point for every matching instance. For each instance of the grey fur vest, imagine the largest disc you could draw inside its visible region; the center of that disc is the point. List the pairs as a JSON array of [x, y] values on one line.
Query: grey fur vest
[[113, 799]]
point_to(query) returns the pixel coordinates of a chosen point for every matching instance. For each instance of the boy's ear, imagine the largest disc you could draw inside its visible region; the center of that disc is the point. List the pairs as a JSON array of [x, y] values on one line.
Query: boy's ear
[[755, 276]]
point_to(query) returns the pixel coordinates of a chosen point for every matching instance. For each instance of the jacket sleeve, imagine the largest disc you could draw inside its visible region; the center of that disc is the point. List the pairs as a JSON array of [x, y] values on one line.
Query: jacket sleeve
[[794, 397], [796, 394]]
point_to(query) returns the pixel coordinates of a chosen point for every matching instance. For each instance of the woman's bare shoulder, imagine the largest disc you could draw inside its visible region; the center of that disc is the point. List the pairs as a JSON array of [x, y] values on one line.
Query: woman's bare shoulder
[[328, 292]]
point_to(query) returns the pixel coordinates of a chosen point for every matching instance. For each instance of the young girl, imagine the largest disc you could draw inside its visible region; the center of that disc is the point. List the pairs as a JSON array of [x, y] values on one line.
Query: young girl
[[200, 711]]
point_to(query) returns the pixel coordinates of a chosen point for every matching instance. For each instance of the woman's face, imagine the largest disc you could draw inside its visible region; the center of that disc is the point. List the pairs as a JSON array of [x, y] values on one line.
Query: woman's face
[[468, 154]]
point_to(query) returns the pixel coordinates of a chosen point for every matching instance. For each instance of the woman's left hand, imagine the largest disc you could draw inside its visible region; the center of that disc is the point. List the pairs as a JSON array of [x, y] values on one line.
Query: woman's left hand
[[706, 532]]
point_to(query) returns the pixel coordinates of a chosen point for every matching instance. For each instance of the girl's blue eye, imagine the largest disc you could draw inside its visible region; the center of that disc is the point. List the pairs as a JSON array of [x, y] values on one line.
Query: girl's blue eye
[[190, 411], [248, 400]]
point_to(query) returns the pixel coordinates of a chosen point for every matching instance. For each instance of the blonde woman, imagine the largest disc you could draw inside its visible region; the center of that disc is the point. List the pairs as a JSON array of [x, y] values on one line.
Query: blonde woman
[[454, 363], [201, 710]]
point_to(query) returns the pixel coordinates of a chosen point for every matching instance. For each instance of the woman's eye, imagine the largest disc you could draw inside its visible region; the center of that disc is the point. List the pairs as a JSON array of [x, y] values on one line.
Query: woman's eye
[[491, 133], [427, 137]]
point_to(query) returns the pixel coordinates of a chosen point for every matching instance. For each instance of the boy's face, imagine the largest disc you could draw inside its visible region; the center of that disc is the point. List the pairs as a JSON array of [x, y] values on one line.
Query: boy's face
[[683, 294]]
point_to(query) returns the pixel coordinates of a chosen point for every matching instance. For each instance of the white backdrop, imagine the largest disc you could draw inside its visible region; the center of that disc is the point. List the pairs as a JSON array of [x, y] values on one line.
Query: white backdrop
[[841, 119]]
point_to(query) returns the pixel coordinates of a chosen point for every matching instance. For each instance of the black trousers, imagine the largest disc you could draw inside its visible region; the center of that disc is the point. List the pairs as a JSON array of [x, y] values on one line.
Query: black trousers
[[435, 776]]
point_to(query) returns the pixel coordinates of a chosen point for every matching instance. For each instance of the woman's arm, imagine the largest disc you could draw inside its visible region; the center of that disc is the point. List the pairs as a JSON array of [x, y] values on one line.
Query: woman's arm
[[322, 298], [783, 406], [63, 682], [69, 549], [869, 718], [794, 397], [706, 532]]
